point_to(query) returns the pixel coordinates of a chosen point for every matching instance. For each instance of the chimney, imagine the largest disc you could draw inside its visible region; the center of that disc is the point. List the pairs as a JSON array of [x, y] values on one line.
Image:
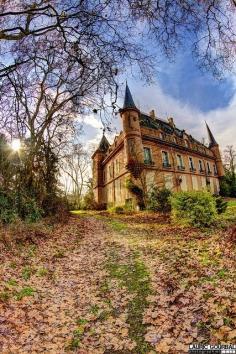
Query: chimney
[[152, 114], [171, 121]]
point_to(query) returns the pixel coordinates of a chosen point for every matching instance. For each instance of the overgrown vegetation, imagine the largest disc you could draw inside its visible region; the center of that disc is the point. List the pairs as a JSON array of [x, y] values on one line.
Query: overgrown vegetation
[[137, 192], [196, 208], [159, 200], [25, 194]]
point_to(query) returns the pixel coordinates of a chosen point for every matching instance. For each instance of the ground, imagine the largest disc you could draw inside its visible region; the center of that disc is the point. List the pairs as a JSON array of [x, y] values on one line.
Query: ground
[[108, 283]]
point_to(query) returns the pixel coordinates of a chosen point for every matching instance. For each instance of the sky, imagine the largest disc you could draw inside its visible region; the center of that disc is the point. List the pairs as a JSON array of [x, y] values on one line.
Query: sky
[[182, 91]]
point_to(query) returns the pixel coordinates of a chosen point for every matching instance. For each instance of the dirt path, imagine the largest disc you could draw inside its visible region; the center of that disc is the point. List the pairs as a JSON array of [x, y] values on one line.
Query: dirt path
[[60, 298], [117, 285]]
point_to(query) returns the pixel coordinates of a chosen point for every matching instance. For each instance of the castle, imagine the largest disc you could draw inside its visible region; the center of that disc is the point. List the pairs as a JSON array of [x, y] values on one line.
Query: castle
[[153, 152]]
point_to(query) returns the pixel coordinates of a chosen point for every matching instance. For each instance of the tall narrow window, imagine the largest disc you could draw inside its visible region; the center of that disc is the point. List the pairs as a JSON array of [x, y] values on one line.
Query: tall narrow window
[[147, 155], [200, 165], [131, 146], [180, 163], [208, 168], [191, 164], [215, 169], [165, 159]]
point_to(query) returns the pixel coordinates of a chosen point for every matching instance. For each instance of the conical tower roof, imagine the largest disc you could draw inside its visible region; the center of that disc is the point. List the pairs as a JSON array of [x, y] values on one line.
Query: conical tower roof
[[128, 101], [212, 141], [104, 144]]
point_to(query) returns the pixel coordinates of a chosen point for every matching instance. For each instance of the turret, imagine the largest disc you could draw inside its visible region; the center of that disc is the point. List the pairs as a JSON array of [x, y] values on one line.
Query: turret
[[98, 158], [214, 147], [131, 128]]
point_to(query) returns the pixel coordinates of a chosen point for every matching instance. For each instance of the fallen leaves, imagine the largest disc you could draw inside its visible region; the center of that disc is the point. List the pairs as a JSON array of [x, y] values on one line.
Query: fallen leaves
[[58, 294]]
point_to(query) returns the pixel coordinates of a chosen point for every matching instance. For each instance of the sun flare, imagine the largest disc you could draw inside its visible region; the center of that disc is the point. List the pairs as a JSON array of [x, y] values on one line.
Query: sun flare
[[16, 145]]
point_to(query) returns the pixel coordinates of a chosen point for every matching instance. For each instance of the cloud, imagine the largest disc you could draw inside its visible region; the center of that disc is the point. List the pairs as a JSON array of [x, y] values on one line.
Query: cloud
[[90, 120], [221, 120], [186, 116]]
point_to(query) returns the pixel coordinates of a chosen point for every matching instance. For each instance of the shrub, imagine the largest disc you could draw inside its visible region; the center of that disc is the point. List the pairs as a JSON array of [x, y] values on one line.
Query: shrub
[[117, 209], [137, 192], [196, 208], [221, 204], [28, 209], [159, 200], [8, 212], [18, 205]]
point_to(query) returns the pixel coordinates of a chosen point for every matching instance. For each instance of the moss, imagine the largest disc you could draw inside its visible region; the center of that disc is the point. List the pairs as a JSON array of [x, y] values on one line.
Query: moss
[[135, 277], [117, 225], [27, 291]]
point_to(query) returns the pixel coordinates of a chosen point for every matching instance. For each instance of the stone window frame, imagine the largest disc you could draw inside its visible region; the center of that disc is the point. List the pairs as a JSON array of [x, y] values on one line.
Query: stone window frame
[[191, 163], [201, 165], [181, 160], [208, 167], [151, 156], [165, 163]]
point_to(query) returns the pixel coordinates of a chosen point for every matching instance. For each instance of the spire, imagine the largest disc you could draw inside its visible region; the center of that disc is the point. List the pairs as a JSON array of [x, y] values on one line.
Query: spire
[[128, 102], [104, 144], [212, 141]]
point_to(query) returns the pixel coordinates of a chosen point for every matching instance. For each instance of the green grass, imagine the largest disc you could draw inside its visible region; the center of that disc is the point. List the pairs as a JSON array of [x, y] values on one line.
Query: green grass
[[232, 203], [26, 273], [27, 291], [4, 296], [41, 272], [117, 225], [78, 212], [12, 282], [135, 277], [60, 253]]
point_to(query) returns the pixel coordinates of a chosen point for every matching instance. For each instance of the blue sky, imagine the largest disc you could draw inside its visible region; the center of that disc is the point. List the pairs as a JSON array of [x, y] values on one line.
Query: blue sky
[[186, 93]]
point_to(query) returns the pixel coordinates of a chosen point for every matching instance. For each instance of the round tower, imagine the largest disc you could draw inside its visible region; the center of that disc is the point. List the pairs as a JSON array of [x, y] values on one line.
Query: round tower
[[131, 128]]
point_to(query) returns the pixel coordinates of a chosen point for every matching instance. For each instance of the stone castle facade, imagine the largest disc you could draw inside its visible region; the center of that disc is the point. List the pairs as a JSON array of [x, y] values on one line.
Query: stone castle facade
[[153, 152]]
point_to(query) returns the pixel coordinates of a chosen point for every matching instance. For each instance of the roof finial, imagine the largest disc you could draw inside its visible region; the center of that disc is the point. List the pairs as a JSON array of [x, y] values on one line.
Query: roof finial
[[212, 141], [128, 101]]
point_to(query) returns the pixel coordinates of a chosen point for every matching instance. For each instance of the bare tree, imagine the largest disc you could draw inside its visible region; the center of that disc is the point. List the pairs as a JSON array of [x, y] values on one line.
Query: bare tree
[[76, 167], [230, 159], [86, 27]]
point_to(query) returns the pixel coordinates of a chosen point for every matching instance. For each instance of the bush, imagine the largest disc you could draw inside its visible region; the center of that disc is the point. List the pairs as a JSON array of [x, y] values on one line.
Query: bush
[[196, 208], [18, 205], [137, 192], [221, 204], [28, 209], [117, 209], [159, 200], [8, 212]]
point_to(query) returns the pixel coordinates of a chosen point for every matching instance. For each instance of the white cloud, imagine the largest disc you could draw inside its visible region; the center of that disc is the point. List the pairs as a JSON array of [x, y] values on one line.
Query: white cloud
[[90, 120], [221, 121]]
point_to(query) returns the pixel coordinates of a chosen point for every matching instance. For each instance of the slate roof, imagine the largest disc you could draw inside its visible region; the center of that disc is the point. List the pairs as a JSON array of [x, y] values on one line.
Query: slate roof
[[103, 145], [128, 101], [155, 123], [212, 141]]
